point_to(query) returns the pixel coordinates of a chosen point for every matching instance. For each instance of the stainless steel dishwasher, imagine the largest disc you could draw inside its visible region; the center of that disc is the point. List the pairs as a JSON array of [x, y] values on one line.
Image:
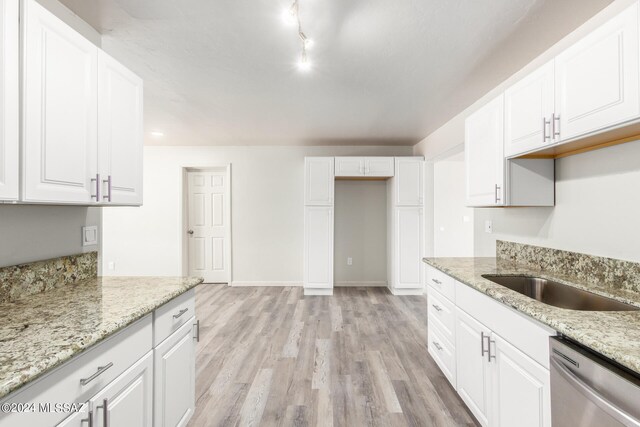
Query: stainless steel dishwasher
[[588, 390]]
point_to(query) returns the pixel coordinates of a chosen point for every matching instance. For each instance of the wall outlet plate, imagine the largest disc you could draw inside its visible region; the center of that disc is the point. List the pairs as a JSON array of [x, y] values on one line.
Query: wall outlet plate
[[488, 227], [90, 235]]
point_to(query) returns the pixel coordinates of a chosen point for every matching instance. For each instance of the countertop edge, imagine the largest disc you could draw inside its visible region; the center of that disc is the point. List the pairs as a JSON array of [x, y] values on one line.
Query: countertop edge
[[502, 296], [87, 342]]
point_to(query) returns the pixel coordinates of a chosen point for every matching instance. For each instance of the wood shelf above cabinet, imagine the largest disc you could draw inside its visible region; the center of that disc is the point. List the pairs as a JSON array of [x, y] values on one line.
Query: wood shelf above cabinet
[[362, 178], [614, 136]]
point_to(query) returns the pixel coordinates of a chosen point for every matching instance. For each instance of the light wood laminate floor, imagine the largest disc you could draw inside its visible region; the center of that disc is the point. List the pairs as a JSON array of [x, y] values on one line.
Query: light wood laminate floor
[[269, 356]]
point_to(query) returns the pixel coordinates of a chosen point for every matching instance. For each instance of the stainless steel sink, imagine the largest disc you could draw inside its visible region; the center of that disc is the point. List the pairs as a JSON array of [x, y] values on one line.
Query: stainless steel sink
[[557, 294]]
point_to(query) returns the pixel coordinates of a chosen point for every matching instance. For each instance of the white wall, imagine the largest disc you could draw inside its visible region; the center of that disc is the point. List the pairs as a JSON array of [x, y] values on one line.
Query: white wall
[[33, 233], [452, 221], [597, 208], [360, 219], [267, 211], [597, 202]]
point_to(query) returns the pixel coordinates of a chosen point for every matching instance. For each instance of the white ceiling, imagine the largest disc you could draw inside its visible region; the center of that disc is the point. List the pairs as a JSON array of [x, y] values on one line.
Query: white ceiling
[[222, 72]]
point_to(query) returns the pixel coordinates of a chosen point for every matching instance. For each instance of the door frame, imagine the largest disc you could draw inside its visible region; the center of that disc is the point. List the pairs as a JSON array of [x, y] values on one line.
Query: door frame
[[184, 212]]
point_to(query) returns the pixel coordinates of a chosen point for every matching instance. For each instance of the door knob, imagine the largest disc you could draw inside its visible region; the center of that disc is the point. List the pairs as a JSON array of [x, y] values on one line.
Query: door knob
[[190, 231]]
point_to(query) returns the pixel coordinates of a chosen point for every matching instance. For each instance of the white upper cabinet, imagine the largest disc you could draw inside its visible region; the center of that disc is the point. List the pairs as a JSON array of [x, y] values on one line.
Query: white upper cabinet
[[379, 166], [120, 133], [59, 112], [318, 181], [364, 166], [349, 166], [408, 181], [597, 78], [529, 107], [484, 155], [9, 100]]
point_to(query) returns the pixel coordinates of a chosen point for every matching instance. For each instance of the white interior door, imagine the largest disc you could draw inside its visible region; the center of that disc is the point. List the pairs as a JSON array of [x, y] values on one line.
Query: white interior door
[[209, 225]]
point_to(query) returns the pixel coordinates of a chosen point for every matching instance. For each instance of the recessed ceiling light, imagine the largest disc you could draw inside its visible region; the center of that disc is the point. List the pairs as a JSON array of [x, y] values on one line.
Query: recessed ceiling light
[[157, 133], [290, 16], [304, 64]]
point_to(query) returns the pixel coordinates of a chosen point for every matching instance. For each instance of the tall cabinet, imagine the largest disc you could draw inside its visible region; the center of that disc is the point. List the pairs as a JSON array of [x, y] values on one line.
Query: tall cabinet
[[404, 176], [9, 100], [318, 225]]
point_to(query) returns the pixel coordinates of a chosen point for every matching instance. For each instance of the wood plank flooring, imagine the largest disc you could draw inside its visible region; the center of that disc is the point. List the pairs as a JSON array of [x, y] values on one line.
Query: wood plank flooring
[[269, 356]]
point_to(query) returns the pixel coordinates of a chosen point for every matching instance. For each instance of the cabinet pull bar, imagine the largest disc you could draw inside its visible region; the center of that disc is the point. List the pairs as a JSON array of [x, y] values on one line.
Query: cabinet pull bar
[[89, 419], [107, 197], [556, 125], [497, 191], [180, 313], [97, 180], [100, 371], [197, 325], [482, 349], [437, 307], [546, 136], [438, 346], [436, 281], [491, 356], [105, 412]]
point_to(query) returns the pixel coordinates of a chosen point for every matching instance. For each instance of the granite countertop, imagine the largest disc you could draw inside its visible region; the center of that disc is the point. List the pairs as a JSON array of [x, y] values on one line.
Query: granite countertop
[[44, 330], [615, 335]]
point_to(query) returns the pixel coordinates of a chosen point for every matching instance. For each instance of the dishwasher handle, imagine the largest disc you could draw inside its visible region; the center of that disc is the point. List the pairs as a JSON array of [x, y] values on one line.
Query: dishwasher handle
[[591, 394]]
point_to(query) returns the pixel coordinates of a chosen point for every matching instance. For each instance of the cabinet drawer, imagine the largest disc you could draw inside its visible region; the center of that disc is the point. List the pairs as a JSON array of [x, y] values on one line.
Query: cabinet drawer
[[443, 353], [442, 311], [168, 318], [63, 384], [442, 283], [526, 334]]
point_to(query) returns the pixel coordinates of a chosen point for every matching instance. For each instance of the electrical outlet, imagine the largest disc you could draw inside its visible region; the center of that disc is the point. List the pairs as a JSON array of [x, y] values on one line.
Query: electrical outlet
[[488, 227], [111, 265], [349, 261], [89, 235]]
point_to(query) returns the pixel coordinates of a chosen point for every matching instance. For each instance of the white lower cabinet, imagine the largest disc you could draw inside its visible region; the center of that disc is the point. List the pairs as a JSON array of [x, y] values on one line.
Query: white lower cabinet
[[500, 357], [318, 249], [407, 248], [175, 372], [127, 380]]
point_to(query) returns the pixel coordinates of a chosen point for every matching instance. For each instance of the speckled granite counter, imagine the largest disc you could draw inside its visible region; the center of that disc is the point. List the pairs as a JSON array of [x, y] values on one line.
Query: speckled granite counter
[[41, 331], [615, 335]]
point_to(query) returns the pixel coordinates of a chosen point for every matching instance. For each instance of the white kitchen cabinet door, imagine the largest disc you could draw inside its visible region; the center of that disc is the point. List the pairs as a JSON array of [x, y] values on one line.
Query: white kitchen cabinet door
[[597, 78], [379, 166], [409, 173], [529, 107], [484, 155], [318, 247], [408, 251], [520, 388], [174, 380], [318, 181], [127, 400], [9, 100], [60, 110], [120, 133], [349, 166], [473, 371]]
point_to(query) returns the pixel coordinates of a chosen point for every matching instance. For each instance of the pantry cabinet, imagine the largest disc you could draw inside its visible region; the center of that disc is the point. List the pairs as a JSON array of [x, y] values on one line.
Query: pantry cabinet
[[9, 100], [120, 133], [60, 110], [597, 78], [318, 181], [318, 247], [529, 112], [407, 231], [408, 180]]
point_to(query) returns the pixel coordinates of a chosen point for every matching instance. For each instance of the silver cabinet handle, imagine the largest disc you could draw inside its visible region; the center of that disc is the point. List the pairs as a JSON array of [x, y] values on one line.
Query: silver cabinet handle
[[100, 371], [437, 307], [107, 181], [197, 325], [436, 281], [556, 125], [89, 419], [105, 412], [545, 123], [190, 232], [613, 410], [497, 191], [438, 346], [482, 349], [97, 181], [491, 356], [180, 313]]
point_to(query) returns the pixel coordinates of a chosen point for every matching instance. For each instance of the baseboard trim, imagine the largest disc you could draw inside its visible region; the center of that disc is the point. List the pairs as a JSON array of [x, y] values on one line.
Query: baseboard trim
[[407, 292], [264, 284], [372, 284], [318, 292]]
